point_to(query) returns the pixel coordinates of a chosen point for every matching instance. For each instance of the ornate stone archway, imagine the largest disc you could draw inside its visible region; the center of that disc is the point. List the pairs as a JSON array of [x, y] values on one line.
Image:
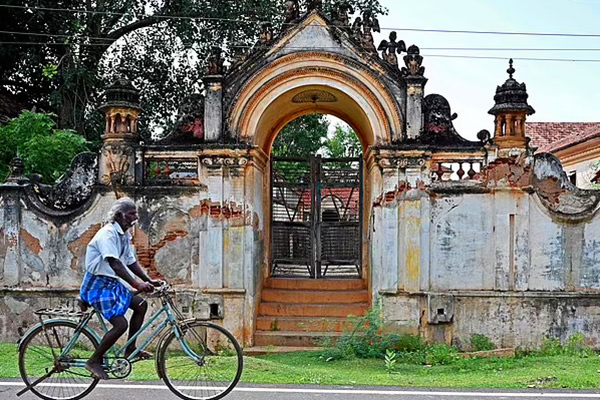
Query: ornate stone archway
[[315, 82], [266, 102]]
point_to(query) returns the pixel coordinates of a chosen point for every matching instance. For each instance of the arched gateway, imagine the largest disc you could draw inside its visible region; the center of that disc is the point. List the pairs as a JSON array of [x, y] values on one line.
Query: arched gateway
[[452, 234]]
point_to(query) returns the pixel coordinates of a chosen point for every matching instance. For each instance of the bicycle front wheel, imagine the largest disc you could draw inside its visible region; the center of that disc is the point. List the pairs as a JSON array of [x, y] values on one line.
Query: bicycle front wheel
[[211, 369], [42, 351]]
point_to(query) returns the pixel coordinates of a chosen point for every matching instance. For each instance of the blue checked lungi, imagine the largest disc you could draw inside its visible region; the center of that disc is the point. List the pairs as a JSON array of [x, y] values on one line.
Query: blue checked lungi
[[106, 294]]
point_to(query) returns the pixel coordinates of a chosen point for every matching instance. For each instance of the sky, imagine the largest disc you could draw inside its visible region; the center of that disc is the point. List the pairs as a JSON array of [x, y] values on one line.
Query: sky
[[558, 91]]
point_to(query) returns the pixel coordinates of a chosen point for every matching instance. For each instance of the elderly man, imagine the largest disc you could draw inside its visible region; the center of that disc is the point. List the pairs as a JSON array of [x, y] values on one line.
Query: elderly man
[[111, 256]]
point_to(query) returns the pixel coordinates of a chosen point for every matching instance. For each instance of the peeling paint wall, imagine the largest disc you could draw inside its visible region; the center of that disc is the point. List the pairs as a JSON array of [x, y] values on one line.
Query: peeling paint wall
[[514, 257], [203, 239]]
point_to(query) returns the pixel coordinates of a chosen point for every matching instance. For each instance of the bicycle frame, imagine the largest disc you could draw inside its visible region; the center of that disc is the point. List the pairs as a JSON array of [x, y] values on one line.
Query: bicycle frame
[[116, 352]]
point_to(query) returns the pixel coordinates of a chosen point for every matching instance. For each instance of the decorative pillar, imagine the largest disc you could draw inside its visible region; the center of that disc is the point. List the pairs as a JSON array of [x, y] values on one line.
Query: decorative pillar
[[511, 110], [415, 84], [222, 258], [384, 251], [234, 220], [211, 239], [11, 194], [122, 110], [213, 87]]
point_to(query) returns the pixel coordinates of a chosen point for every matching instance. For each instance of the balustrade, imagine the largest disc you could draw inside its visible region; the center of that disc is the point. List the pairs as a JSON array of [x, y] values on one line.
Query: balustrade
[[456, 170]]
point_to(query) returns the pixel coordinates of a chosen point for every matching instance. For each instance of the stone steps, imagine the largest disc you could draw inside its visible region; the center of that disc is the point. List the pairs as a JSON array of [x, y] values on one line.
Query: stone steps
[[302, 324], [294, 338], [280, 309], [315, 296], [307, 313], [315, 284]]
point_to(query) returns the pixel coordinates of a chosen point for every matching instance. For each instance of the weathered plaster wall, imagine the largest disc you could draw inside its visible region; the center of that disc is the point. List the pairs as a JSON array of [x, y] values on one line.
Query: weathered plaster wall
[[499, 264], [203, 239], [509, 319]]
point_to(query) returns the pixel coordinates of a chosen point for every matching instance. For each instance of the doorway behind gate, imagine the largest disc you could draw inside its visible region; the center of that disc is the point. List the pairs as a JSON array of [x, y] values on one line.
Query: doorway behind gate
[[316, 217]]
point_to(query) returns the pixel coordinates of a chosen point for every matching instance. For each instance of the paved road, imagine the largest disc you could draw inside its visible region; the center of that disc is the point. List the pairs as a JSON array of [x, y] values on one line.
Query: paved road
[[157, 391]]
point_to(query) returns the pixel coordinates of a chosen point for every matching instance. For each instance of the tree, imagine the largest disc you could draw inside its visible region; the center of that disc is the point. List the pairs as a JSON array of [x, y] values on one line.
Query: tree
[[44, 150], [343, 144], [302, 137], [160, 44]]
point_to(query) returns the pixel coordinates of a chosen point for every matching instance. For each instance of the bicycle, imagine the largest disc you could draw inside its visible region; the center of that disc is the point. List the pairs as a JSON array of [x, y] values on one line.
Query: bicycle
[[196, 359]]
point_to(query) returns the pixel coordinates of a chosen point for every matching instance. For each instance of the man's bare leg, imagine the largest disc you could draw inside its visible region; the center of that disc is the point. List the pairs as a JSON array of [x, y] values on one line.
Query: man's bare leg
[[139, 307], [94, 364]]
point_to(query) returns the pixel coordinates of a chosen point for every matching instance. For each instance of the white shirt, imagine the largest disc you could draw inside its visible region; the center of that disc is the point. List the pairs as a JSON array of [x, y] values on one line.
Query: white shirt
[[109, 241]]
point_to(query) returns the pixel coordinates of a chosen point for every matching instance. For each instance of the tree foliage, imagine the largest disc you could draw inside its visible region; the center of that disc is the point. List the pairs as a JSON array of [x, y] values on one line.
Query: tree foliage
[[343, 144], [302, 137], [308, 136], [44, 149], [160, 44]]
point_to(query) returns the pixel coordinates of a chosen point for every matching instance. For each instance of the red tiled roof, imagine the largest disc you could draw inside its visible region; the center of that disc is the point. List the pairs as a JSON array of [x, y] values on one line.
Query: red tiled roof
[[552, 136]]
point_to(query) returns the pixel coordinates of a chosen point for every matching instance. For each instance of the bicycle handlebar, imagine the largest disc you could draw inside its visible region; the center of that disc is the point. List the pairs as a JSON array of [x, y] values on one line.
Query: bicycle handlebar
[[164, 286]]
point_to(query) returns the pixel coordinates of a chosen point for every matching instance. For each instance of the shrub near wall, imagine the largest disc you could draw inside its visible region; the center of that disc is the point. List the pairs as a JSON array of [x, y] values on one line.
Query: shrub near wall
[[45, 150]]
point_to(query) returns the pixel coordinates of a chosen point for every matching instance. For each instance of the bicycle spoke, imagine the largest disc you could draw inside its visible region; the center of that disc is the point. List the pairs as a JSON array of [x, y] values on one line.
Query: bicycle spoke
[[215, 371], [36, 359]]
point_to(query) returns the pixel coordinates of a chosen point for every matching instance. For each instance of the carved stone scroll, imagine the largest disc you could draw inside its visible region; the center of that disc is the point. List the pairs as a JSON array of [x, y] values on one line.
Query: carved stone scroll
[[557, 193], [73, 189], [117, 162]]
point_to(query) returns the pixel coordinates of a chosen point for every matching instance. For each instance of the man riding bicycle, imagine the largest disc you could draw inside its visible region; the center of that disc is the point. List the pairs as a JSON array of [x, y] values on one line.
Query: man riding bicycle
[[110, 258]]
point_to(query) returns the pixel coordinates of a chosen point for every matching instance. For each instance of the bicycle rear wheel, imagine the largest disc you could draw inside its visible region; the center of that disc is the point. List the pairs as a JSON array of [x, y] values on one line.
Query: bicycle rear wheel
[[36, 359], [216, 369]]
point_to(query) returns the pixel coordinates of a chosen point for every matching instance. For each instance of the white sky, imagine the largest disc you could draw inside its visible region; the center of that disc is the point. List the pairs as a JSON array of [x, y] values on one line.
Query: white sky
[[558, 91]]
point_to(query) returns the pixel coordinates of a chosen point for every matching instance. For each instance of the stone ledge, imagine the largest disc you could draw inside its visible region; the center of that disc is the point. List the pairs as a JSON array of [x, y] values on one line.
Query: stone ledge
[[231, 291], [486, 293]]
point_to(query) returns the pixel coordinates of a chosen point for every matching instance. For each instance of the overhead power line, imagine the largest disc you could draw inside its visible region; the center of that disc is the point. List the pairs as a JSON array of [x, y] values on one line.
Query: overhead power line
[[580, 35], [78, 37], [424, 54], [55, 35]]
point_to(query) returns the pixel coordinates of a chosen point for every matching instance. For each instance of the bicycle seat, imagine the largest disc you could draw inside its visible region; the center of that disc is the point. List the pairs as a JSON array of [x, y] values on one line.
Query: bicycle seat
[[83, 305]]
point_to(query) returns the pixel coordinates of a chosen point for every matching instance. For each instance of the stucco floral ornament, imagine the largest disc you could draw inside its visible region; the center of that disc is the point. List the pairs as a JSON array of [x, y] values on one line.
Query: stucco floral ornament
[[117, 162]]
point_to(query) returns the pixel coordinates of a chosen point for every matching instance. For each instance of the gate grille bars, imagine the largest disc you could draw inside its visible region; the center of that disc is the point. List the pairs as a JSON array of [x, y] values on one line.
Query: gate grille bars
[[316, 217]]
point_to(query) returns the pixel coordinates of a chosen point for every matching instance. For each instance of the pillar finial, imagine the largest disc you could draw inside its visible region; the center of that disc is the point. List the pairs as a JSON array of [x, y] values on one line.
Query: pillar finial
[[122, 109], [511, 111], [510, 69]]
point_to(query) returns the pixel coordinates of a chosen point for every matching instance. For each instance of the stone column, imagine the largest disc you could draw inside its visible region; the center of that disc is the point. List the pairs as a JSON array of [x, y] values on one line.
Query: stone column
[[414, 105], [234, 221], [415, 83], [413, 171], [11, 225], [213, 108], [384, 251], [211, 240]]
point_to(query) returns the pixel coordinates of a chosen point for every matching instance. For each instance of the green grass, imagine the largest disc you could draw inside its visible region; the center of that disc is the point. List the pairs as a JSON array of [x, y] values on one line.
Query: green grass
[[558, 371]]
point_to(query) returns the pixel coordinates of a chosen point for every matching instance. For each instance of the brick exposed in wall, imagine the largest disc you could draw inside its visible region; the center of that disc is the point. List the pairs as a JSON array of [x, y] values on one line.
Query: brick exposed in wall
[[78, 246], [145, 251], [30, 241]]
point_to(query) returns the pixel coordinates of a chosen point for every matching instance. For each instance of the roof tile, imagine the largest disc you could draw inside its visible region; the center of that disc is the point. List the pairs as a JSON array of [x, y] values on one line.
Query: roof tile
[[552, 136]]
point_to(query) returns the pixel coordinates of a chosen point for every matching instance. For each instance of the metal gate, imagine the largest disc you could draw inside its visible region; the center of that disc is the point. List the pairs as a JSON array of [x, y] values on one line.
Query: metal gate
[[316, 217]]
